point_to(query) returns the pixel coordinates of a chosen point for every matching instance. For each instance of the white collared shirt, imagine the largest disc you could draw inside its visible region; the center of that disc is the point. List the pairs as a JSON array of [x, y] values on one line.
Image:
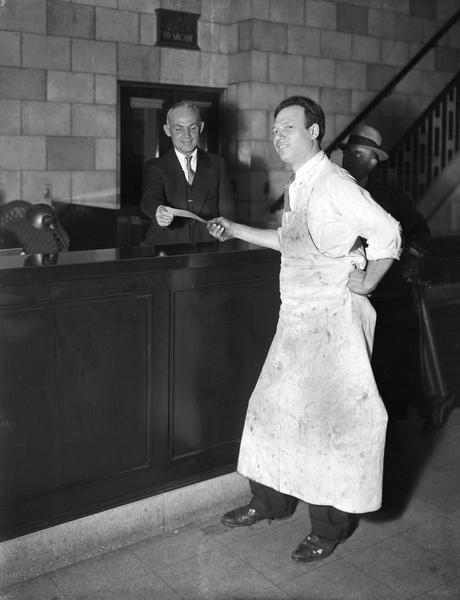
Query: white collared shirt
[[183, 162], [340, 212]]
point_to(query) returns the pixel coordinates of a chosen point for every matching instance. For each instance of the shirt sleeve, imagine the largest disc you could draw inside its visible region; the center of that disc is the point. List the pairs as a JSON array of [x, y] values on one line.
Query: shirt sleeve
[[366, 218]]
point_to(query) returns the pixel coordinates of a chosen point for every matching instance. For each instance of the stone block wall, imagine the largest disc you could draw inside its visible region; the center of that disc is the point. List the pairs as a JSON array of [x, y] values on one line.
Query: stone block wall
[[60, 61], [340, 54]]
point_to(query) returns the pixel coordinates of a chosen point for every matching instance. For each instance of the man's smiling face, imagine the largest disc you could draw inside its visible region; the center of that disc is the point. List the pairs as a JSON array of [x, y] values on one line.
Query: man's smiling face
[[293, 142], [184, 127]]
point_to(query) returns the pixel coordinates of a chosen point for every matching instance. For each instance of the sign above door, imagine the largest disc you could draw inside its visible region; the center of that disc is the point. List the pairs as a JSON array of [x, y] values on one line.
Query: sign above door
[[177, 29]]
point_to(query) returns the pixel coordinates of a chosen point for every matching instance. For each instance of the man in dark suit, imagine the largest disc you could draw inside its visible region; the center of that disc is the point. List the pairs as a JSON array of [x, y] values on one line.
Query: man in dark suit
[[396, 353], [185, 177]]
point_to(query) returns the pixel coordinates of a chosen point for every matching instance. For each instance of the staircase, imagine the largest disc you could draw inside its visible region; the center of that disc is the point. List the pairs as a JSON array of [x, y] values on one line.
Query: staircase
[[441, 202], [425, 161]]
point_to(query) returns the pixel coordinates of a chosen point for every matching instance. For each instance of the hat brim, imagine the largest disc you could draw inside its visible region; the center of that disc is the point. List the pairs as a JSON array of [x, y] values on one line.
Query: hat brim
[[381, 154]]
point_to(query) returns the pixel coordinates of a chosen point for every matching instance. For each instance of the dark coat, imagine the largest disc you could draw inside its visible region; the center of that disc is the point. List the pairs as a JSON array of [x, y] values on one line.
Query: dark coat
[[396, 355], [164, 183], [414, 228]]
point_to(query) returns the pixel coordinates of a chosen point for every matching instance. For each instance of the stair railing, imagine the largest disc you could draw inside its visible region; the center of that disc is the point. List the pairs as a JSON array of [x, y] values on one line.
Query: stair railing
[[394, 82], [425, 149]]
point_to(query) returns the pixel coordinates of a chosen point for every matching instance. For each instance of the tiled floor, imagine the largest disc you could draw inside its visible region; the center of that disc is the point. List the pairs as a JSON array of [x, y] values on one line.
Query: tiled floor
[[408, 550]]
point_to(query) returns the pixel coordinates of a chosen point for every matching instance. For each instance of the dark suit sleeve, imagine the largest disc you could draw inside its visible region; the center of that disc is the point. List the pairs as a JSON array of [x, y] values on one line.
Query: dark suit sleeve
[[153, 191], [414, 225]]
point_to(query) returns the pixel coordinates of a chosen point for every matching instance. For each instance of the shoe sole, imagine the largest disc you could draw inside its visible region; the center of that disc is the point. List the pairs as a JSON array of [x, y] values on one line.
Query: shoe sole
[[311, 559], [233, 525]]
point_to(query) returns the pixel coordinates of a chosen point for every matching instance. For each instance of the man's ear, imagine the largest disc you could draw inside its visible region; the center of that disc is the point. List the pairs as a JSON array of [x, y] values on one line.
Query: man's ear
[[201, 126], [314, 131], [166, 130], [374, 162]]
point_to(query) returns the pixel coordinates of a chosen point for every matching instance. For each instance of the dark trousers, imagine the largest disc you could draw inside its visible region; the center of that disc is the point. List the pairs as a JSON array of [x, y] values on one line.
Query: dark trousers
[[396, 356], [327, 522]]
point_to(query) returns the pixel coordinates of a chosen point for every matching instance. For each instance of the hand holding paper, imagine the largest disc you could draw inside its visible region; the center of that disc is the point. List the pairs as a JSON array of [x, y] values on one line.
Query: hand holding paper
[[165, 215], [179, 212]]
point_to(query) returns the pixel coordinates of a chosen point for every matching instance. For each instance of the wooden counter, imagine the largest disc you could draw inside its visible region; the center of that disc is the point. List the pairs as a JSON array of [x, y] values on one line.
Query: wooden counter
[[125, 373]]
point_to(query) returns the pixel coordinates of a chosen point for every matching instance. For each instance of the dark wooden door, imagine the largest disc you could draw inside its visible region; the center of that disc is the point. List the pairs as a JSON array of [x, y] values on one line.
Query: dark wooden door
[[143, 110]]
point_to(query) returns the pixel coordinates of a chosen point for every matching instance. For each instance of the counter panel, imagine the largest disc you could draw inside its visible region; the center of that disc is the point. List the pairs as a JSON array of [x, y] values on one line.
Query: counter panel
[[125, 377]]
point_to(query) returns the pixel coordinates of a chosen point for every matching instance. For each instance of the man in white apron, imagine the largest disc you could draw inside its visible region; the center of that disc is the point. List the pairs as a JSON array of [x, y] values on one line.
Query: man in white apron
[[315, 425]]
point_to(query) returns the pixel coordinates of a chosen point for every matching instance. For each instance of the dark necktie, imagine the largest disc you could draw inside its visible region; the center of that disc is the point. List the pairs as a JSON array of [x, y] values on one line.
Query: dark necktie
[[190, 171], [287, 206]]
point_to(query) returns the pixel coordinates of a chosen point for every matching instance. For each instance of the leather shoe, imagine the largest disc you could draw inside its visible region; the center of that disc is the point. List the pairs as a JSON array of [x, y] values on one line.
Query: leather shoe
[[242, 517], [313, 548]]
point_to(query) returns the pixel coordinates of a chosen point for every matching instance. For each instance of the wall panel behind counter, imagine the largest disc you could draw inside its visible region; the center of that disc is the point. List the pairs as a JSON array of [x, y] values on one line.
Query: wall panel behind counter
[[124, 377]]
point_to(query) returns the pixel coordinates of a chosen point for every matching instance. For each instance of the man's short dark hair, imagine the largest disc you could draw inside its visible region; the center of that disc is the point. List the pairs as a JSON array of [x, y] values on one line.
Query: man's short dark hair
[[313, 112]]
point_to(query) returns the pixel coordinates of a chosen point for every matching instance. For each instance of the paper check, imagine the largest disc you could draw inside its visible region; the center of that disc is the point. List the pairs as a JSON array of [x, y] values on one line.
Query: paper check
[[179, 212]]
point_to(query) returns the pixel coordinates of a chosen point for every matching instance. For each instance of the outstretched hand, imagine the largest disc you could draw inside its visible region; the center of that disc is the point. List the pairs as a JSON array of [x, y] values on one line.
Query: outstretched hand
[[221, 228]]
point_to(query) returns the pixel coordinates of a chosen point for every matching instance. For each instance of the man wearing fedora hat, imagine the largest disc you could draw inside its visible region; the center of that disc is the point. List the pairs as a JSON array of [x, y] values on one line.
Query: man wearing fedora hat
[[362, 152], [396, 358]]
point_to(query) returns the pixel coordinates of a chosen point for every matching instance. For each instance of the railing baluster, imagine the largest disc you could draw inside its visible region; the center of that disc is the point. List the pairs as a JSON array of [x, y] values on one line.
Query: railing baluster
[[430, 148], [443, 133], [457, 115]]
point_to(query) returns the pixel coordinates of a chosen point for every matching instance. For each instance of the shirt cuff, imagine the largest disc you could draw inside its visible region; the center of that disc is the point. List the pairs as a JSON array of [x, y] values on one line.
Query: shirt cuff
[[379, 253]]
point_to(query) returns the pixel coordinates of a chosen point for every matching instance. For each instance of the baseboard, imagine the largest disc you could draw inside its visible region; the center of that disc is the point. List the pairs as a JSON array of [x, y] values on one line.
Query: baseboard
[[56, 547]]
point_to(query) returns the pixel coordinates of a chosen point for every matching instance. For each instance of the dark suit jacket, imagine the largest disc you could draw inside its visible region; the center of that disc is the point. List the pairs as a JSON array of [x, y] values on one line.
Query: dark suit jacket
[[414, 228], [164, 183]]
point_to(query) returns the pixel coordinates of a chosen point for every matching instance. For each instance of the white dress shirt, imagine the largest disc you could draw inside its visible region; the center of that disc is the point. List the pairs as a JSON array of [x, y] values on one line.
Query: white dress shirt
[[183, 162], [340, 212]]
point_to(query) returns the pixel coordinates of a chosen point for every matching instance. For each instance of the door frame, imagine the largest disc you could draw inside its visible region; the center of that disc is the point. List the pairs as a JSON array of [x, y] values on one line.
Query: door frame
[[130, 173]]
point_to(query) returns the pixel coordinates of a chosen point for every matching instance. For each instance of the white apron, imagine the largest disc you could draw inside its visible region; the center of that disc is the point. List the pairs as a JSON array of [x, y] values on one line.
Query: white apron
[[315, 425]]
